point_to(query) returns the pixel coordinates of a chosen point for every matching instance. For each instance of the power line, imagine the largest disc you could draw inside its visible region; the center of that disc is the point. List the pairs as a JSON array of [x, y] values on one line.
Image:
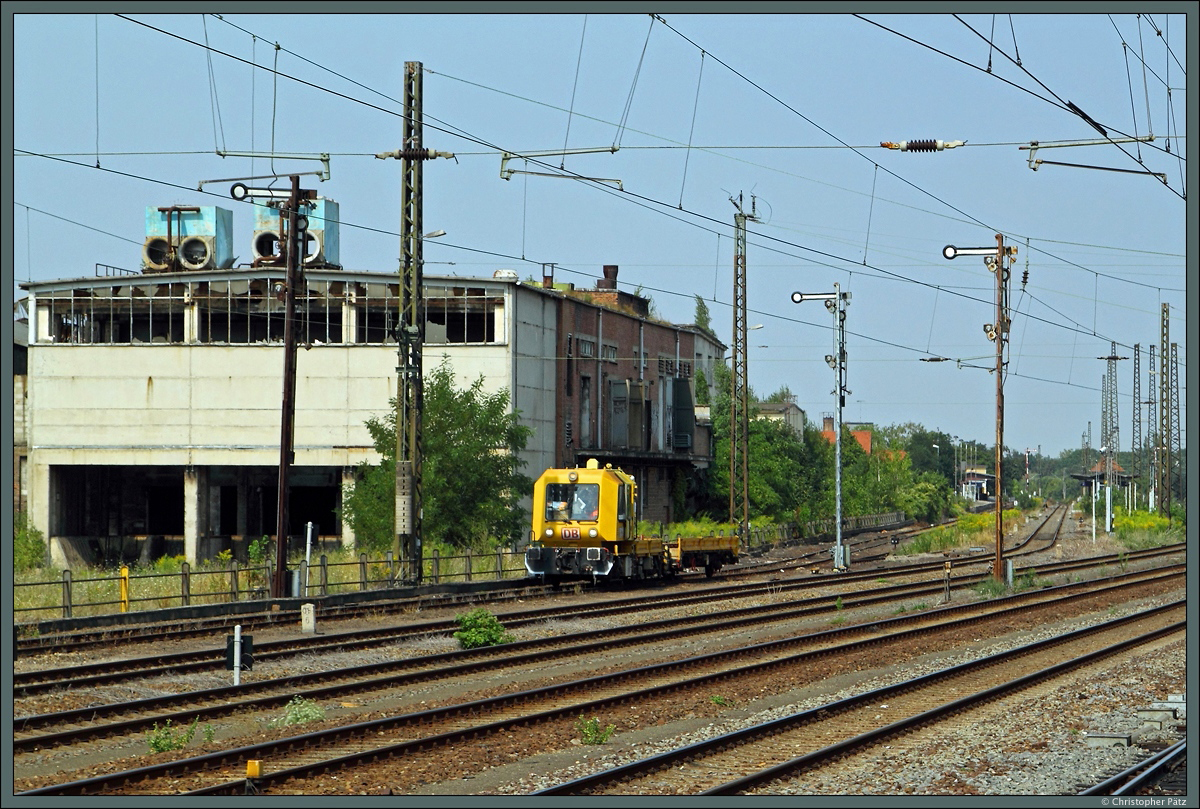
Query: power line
[[637, 199], [461, 133], [786, 319], [1067, 106]]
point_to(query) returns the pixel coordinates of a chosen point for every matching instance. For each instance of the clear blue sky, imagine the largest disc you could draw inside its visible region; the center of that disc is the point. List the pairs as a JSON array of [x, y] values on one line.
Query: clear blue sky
[[787, 109]]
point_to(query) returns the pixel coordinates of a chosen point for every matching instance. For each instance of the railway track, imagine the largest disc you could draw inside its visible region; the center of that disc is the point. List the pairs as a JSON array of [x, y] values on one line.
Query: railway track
[[457, 724], [1161, 774], [104, 637], [39, 732], [768, 758], [32, 682]]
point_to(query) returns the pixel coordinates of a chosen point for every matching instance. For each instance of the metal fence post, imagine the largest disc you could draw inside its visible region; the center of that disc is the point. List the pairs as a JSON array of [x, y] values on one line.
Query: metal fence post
[[362, 571], [66, 593], [437, 568], [233, 580], [303, 579], [499, 565], [324, 575], [391, 571], [185, 584], [123, 587], [469, 561]]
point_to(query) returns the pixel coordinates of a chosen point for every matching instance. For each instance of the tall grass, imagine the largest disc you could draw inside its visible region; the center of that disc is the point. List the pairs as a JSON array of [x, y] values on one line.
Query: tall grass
[[38, 592], [1141, 529], [968, 530]]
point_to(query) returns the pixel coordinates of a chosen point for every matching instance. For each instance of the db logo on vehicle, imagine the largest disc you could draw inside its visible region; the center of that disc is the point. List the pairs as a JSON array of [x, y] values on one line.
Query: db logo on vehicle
[[570, 533]]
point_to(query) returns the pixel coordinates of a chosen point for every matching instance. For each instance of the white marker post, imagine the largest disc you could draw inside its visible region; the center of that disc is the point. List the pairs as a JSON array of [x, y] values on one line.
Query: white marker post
[[237, 655]]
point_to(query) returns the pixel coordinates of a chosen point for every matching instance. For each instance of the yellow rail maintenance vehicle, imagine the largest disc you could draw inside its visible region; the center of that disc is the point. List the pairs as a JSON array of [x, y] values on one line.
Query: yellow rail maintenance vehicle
[[710, 553], [585, 526]]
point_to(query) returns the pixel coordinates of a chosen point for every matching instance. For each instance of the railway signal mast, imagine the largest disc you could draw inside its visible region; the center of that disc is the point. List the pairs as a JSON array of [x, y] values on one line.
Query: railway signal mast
[[998, 260], [836, 302]]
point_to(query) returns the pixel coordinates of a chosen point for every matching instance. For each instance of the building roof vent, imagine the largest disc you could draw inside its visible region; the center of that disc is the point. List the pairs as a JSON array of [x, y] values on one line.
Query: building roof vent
[[610, 277]]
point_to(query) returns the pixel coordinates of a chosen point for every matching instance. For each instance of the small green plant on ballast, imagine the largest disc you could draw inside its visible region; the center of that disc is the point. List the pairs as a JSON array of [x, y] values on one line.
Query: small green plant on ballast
[[298, 711], [162, 740], [480, 628], [590, 732], [724, 702]]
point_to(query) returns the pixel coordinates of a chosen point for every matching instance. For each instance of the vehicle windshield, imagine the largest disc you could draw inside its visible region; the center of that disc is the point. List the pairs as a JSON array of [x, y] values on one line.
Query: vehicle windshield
[[572, 501]]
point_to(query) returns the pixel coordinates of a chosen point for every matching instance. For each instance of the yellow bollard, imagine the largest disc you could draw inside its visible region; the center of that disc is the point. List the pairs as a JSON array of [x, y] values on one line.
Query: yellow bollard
[[253, 768], [123, 587]]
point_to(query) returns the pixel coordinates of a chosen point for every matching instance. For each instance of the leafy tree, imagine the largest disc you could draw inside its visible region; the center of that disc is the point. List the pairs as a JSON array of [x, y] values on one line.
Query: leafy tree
[[703, 318], [702, 397], [784, 394], [780, 469], [471, 483]]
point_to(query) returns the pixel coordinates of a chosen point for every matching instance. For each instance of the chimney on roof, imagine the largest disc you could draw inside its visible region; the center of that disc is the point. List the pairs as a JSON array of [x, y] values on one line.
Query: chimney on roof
[[610, 277], [828, 424], [547, 276]]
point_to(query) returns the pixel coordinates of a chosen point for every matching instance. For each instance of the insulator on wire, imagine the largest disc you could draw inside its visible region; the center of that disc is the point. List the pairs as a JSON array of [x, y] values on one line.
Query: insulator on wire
[[1024, 278], [922, 145]]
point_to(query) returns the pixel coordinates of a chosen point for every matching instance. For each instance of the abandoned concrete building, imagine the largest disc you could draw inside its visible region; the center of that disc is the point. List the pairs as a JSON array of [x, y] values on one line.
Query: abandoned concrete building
[[152, 399]]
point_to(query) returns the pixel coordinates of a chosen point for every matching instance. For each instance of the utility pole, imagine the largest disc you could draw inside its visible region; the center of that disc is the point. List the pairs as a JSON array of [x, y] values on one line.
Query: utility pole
[[1164, 415], [1175, 455], [739, 399], [293, 237], [1135, 439], [1152, 438], [836, 302], [410, 328], [997, 332], [293, 246], [1111, 430]]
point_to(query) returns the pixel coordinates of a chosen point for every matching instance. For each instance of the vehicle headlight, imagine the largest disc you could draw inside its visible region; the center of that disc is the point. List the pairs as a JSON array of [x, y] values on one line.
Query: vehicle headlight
[[593, 533], [549, 532]]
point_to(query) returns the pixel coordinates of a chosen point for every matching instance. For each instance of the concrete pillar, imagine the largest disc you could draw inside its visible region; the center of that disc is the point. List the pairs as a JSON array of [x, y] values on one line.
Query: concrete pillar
[[195, 497], [42, 323], [349, 319], [41, 496], [191, 321]]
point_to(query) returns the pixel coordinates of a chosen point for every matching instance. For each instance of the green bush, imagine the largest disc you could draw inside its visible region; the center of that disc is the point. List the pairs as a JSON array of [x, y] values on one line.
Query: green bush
[[590, 732], [258, 550], [29, 545], [480, 628], [169, 564], [298, 711], [161, 740]]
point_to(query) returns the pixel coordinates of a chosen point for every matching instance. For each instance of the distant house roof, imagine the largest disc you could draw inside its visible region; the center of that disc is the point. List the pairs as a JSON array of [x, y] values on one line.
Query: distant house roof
[[1098, 472], [788, 412], [863, 437]]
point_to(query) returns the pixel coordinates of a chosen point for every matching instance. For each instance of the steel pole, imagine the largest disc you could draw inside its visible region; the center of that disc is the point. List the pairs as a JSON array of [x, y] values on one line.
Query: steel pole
[[287, 420], [1000, 331], [839, 325]]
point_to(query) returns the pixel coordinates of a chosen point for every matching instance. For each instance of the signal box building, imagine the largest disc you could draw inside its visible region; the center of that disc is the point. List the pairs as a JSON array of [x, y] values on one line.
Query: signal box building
[[152, 404]]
